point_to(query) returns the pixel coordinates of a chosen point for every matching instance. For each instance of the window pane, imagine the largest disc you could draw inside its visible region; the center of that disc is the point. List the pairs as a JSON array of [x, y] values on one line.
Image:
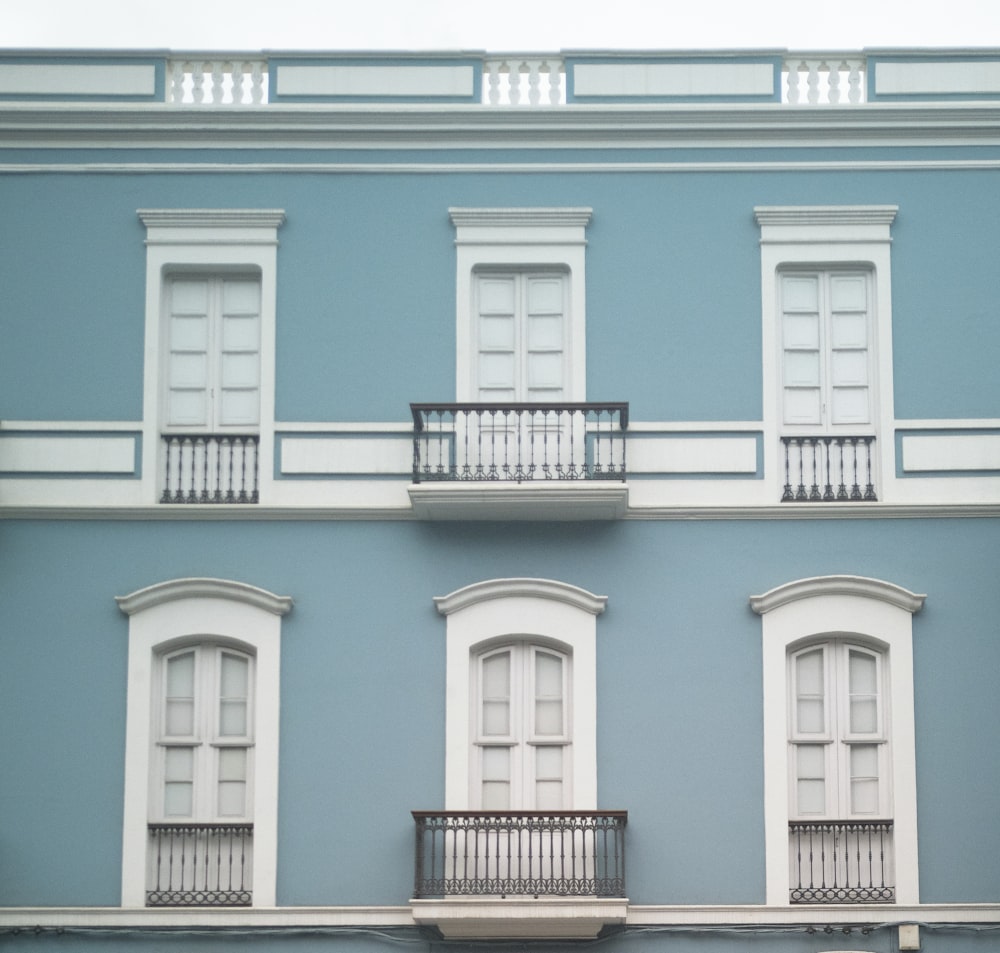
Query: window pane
[[800, 292], [179, 720], [863, 682], [548, 694], [496, 778], [232, 781], [234, 679], [811, 779], [178, 788], [864, 779], [810, 703], [548, 777], [496, 694]]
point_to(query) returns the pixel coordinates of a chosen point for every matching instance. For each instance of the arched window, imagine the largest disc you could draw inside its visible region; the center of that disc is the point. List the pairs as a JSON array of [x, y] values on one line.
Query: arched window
[[840, 809], [522, 757], [201, 749]]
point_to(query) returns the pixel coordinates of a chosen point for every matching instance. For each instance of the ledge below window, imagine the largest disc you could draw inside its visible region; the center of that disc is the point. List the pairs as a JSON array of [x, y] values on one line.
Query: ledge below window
[[520, 918], [519, 501]]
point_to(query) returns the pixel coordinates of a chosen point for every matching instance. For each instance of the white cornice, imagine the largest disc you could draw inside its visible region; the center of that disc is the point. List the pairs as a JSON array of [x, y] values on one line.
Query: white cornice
[[808, 215], [860, 586], [204, 588], [269, 218], [531, 588], [520, 217]]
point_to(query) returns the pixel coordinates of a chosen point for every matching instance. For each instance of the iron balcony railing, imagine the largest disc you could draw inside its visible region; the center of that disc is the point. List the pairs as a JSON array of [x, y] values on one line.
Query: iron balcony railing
[[841, 862], [828, 469], [210, 468], [520, 853], [209, 865], [519, 442]]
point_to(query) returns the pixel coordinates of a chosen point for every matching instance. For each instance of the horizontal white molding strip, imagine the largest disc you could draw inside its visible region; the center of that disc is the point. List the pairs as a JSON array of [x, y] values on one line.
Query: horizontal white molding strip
[[657, 454], [345, 455], [359, 916], [53, 79], [951, 452], [64, 454], [924, 77], [673, 79], [408, 81]]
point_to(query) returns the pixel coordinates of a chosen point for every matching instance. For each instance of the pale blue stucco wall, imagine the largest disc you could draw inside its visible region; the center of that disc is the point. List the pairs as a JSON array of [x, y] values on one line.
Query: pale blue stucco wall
[[679, 689], [673, 285]]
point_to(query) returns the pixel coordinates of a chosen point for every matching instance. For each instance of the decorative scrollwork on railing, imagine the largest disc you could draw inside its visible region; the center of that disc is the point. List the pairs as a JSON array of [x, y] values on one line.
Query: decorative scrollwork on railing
[[828, 469], [841, 862], [520, 853], [200, 865], [519, 442]]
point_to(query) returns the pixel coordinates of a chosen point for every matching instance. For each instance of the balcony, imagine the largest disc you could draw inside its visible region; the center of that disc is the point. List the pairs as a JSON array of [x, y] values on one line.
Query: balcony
[[519, 874], [828, 469], [210, 468], [519, 461], [199, 865], [841, 862]]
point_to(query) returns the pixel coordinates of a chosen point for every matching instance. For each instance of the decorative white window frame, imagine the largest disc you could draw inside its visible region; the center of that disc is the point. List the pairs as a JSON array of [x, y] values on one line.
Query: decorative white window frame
[[542, 610], [191, 611], [873, 611], [824, 237], [210, 241], [528, 239]]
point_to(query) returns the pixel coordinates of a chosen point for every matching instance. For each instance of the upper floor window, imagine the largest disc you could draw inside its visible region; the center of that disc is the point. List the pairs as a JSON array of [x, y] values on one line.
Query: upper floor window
[[212, 374], [520, 304], [827, 346], [825, 343], [201, 751], [522, 338], [210, 326]]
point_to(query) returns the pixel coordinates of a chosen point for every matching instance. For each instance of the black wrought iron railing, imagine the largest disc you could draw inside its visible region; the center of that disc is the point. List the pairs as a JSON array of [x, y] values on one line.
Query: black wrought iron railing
[[519, 442], [210, 468], [828, 469], [841, 862], [208, 865], [520, 853]]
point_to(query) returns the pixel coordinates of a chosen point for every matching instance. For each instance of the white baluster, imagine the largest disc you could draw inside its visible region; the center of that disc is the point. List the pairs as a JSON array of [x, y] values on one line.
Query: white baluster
[[854, 83], [176, 82], [237, 74], [793, 82], [197, 83], [256, 83], [514, 75], [833, 96], [533, 92], [812, 94], [493, 90], [218, 79], [555, 82]]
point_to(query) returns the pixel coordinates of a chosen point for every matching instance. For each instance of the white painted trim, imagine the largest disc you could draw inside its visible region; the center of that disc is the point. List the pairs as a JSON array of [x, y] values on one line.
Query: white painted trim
[[386, 80], [851, 606], [673, 79], [691, 454], [825, 236], [206, 239], [520, 238], [347, 455], [929, 78], [530, 609], [195, 609], [52, 453], [949, 452], [79, 79], [336, 917]]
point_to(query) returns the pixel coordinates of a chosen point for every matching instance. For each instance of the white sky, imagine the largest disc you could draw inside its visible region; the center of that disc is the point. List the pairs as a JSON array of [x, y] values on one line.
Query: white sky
[[498, 25]]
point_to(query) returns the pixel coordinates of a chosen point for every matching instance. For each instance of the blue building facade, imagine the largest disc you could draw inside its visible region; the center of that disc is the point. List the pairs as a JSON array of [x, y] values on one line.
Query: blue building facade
[[456, 499]]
